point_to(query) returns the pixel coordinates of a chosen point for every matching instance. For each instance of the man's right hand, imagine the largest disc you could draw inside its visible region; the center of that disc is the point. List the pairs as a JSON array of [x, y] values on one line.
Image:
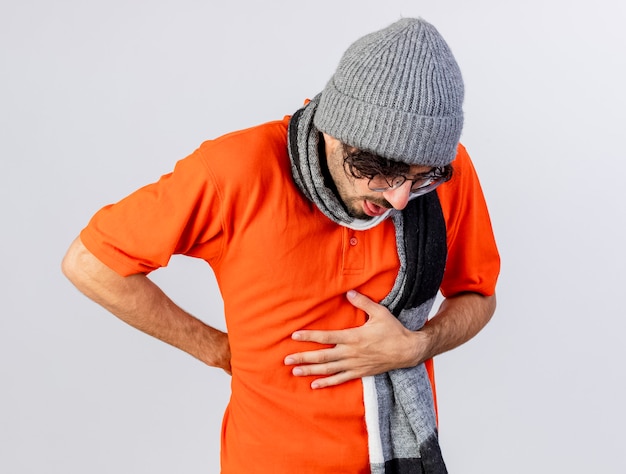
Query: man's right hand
[[136, 300]]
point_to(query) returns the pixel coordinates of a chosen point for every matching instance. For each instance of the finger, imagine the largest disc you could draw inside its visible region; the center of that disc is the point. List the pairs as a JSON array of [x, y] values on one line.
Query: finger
[[321, 337], [332, 380], [362, 302], [331, 368], [320, 356]]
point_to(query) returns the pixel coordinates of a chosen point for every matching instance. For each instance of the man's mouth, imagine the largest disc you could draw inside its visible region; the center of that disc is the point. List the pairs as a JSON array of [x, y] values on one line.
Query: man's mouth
[[373, 210]]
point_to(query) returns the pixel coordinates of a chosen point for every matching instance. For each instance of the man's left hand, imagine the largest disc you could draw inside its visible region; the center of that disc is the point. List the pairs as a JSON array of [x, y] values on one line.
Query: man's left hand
[[380, 345]]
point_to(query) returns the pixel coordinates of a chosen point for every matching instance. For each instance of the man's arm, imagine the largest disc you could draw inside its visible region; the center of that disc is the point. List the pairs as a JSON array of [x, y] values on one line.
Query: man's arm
[[384, 344], [139, 302]]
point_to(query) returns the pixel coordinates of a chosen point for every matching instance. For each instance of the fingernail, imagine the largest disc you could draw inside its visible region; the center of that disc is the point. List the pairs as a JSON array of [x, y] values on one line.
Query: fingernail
[[296, 336], [351, 294], [315, 385], [297, 371]]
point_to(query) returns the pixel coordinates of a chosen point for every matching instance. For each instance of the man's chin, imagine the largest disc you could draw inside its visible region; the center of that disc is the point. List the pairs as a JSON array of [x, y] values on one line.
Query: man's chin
[[358, 213], [361, 216]]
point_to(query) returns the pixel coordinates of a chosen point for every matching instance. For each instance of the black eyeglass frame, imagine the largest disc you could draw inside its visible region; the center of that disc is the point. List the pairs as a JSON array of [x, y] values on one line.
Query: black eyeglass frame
[[422, 183]]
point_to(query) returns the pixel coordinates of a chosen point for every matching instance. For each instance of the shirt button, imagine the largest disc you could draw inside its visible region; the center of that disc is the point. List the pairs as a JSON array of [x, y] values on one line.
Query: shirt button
[[354, 241]]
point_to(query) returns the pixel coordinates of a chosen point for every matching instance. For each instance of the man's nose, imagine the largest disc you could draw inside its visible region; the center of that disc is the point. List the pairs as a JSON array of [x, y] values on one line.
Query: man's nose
[[399, 197]]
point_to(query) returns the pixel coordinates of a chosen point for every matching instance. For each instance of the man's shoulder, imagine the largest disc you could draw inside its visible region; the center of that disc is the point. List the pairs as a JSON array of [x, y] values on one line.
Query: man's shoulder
[[256, 138], [246, 154]]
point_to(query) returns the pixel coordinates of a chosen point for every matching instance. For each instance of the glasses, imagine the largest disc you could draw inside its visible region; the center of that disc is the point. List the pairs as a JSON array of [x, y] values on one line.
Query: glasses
[[420, 184]]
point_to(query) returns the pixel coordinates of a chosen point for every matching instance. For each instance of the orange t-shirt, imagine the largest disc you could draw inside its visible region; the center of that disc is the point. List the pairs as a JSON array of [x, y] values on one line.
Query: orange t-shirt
[[281, 265]]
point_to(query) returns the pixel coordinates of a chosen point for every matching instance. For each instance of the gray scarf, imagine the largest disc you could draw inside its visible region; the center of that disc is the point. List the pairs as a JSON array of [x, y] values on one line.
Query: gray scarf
[[399, 408]]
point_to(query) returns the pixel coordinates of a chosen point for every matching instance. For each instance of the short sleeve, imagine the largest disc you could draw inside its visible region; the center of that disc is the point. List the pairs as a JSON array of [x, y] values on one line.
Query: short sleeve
[[178, 214], [473, 262]]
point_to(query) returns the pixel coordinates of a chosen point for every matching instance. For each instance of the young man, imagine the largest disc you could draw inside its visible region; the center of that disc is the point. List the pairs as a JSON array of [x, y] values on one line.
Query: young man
[[330, 233]]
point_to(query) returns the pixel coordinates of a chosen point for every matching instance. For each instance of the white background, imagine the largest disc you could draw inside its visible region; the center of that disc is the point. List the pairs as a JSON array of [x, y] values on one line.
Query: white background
[[100, 97]]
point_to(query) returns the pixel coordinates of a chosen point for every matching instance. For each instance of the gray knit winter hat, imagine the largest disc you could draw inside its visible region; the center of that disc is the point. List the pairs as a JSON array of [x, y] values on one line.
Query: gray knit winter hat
[[398, 93]]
